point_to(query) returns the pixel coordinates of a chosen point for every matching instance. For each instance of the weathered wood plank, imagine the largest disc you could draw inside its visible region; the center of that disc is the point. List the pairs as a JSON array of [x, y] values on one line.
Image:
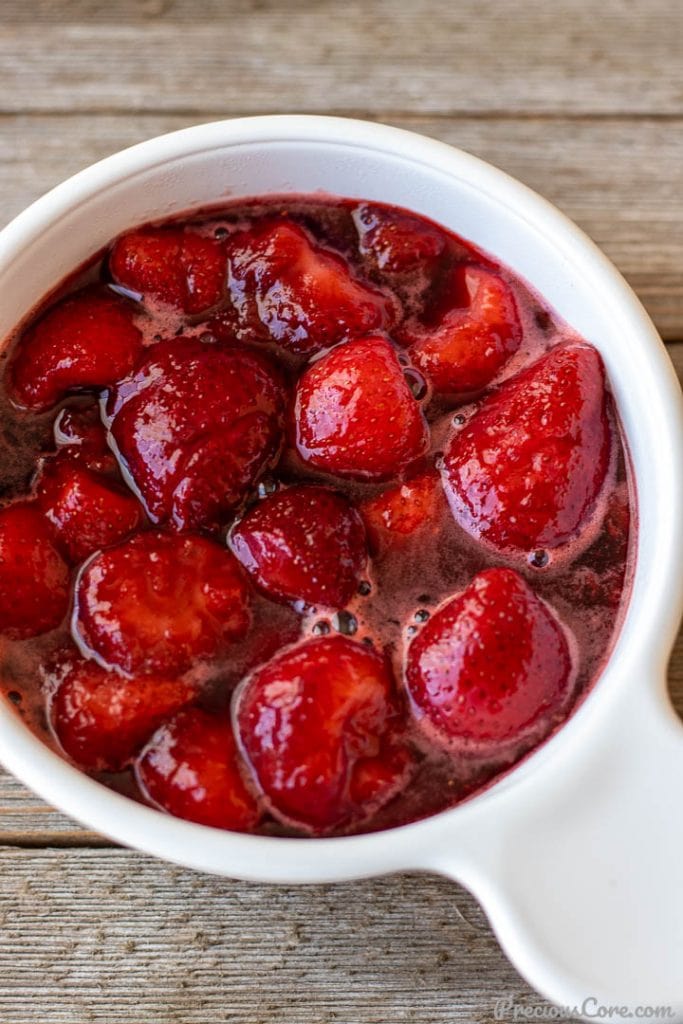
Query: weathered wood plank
[[27, 821], [476, 56], [112, 937], [621, 180]]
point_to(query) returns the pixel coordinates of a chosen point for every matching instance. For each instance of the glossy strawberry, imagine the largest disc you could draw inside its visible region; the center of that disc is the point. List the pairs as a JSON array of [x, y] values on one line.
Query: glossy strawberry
[[196, 426], [376, 780], [355, 415], [176, 266], [87, 341], [156, 602], [304, 543], [472, 338], [491, 666], [405, 509], [34, 579], [525, 470], [294, 292], [101, 718], [80, 434], [308, 719], [191, 768], [87, 510], [395, 241]]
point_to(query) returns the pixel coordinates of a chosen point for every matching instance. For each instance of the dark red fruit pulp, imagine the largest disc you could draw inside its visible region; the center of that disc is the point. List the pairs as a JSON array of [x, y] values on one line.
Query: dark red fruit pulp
[[287, 378]]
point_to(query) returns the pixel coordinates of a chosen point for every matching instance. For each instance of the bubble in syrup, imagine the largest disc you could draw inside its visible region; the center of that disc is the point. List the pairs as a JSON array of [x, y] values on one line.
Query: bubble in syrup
[[411, 630], [416, 383], [321, 628], [438, 460], [364, 588], [458, 419], [267, 487], [157, 337], [539, 559], [345, 623], [403, 359], [421, 615], [220, 233]]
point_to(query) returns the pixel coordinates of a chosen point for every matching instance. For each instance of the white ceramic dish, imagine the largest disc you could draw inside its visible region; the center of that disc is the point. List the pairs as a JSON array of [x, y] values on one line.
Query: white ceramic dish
[[577, 855]]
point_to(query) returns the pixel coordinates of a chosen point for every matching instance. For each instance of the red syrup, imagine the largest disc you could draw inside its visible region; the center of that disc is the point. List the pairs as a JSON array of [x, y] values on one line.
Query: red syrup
[[375, 272]]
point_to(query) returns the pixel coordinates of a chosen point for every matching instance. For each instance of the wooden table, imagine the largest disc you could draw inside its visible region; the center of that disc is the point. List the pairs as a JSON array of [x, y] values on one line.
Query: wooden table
[[583, 102]]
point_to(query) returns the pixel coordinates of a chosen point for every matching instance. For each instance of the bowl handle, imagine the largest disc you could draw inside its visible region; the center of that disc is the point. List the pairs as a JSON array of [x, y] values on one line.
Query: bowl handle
[[579, 867]]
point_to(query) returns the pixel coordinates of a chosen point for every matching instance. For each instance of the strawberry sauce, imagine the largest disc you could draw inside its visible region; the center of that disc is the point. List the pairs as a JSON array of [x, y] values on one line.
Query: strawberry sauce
[[314, 518]]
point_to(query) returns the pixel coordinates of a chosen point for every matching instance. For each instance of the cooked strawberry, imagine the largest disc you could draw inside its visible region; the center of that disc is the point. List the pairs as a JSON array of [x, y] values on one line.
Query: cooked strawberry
[[289, 289], [355, 415], [404, 509], [87, 341], [491, 666], [395, 241], [81, 434], [196, 425], [156, 602], [376, 780], [472, 339], [173, 265], [305, 543], [307, 719], [101, 718], [87, 510], [34, 579], [525, 471], [191, 768]]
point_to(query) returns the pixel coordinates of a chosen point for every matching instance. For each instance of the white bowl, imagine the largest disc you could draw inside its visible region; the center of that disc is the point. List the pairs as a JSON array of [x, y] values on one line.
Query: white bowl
[[577, 855]]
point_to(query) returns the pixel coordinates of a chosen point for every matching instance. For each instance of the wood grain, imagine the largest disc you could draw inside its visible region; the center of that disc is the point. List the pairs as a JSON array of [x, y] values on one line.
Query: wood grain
[[474, 56], [584, 102], [635, 215], [110, 936]]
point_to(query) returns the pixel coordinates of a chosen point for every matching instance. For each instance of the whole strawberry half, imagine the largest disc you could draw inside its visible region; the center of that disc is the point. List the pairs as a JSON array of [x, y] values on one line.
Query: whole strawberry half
[[525, 471], [473, 336], [405, 509], [176, 266], [355, 415], [34, 578], [304, 543], [156, 602], [294, 292], [396, 242], [87, 510], [491, 667], [196, 425], [86, 341], [191, 768], [312, 720], [102, 718], [82, 434]]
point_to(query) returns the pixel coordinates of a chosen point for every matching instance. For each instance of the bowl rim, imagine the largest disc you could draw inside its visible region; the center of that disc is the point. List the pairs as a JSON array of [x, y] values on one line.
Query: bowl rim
[[412, 846]]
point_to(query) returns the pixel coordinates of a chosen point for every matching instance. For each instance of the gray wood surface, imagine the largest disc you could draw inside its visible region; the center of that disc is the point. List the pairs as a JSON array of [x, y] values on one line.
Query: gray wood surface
[[584, 102]]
